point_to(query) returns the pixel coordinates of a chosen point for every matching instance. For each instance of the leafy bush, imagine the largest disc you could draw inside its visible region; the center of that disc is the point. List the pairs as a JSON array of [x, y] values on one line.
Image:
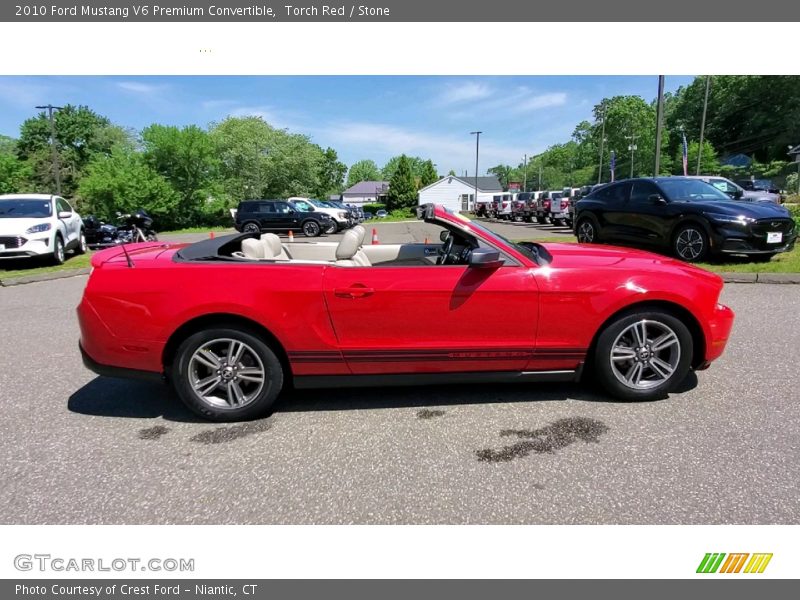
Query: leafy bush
[[373, 208]]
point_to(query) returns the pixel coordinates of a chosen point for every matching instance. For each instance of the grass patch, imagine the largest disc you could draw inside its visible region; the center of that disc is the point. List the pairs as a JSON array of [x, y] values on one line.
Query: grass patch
[[23, 267], [216, 230]]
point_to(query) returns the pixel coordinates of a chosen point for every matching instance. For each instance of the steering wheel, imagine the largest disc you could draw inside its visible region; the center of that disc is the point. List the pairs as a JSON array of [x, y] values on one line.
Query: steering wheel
[[447, 248]]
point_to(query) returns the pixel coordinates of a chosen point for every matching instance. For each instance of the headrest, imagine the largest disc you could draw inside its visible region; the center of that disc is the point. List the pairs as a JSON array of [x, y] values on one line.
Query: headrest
[[273, 242], [361, 231], [253, 248], [351, 242]]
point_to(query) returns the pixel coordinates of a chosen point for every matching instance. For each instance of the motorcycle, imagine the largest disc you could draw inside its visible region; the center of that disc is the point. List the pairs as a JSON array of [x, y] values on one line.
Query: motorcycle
[[136, 227], [99, 234]]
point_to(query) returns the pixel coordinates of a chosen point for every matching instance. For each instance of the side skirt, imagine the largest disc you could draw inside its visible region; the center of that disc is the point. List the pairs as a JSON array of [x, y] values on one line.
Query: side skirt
[[410, 379]]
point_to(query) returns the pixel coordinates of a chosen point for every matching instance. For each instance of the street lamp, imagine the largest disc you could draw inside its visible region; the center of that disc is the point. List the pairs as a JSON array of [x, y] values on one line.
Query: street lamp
[[703, 124], [56, 167], [602, 145], [659, 119], [477, 135], [632, 148]]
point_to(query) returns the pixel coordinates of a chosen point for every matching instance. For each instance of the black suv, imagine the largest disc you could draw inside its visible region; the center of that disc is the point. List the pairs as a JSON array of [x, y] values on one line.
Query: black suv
[[685, 216], [279, 215]]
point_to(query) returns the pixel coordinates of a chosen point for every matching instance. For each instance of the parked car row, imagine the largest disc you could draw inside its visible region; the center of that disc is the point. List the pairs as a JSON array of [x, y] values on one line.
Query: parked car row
[[547, 206], [690, 217], [310, 216]]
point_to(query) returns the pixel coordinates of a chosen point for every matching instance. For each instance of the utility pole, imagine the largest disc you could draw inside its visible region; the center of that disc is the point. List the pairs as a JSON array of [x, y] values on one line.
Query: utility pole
[[795, 152], [659, 118], [632, 148], [540, 174], [56, 166], [703, 124], [602, 144], [525, 174], [477, 135]]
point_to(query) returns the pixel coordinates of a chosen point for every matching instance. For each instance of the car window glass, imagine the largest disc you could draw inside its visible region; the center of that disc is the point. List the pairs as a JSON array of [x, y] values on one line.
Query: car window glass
[[281, 207], [641, 192], [266, 207], [62, 206]]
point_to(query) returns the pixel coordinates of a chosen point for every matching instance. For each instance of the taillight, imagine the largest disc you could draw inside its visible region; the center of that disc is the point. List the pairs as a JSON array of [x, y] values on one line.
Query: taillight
[[547, 204]]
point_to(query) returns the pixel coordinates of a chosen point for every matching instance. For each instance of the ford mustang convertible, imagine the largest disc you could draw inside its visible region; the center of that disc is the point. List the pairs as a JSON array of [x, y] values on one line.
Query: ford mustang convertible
[[232, 321]]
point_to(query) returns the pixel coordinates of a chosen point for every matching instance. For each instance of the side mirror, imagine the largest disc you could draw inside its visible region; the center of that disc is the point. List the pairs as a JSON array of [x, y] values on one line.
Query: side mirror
[[443, 235], [64, 214], [485, 258], [658, 199]]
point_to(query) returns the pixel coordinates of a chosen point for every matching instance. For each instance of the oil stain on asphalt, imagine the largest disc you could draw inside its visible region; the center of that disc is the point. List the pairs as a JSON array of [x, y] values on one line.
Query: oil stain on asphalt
[[229, 434], [152, 433], [429, 414], [546, 440]]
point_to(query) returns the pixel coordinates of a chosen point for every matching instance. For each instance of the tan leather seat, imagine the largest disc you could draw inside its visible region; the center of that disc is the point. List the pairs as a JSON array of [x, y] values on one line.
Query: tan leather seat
[[253, 249], [348, 252], [273, 248]]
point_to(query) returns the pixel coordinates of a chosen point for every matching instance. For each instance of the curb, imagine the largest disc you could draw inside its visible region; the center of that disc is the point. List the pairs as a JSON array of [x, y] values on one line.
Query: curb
[[779, 278], [44, 277]]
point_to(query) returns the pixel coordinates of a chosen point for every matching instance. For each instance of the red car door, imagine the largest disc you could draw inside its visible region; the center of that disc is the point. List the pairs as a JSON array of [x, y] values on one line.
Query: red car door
[[433, 319]]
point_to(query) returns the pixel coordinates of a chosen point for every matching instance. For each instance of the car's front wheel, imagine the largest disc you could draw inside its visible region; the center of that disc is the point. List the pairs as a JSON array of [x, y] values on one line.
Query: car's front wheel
[[643, 355], [227, 374], [690, 243], [58, 251], [332, 228], [311, 229], [251, 228], [587, 231]]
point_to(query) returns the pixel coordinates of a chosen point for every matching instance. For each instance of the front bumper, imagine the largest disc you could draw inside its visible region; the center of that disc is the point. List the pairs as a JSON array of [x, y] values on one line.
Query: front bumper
[[719, 330], [22, 246]]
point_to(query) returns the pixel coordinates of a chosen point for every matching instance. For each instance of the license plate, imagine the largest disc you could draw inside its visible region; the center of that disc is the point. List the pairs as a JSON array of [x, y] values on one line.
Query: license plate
[[774, 237]]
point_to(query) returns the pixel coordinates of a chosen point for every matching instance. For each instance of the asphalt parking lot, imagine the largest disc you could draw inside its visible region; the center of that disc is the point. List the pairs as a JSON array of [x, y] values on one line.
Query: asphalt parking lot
[[81, 449]]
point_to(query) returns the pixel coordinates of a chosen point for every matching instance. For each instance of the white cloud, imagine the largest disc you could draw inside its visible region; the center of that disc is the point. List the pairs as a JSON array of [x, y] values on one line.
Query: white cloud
[[447, 151], [138, 87], [464, 92], [215, 104], [20, 92]]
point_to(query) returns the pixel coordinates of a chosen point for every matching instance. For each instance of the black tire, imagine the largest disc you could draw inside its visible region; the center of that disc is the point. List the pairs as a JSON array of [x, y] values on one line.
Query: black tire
[[263, 398], [587, 232], [656, 318], [251, 227], [58, 251], [690, 243], [152, 237], [311, 228], [541, 220], [763, 258], [82, 247], [332, 228]]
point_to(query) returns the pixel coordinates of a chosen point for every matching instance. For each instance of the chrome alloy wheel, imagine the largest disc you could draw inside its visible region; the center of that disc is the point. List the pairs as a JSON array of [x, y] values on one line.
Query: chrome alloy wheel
[[226, 373], [689, 244], [645, 354], [586, 232]]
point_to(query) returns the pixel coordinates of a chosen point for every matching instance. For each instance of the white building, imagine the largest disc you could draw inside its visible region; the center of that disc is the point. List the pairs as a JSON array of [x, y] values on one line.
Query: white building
[[458, 193]]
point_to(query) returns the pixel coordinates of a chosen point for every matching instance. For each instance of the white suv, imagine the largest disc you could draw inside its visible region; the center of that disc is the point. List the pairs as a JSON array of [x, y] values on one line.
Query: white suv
[[38, 225], [339, 216]]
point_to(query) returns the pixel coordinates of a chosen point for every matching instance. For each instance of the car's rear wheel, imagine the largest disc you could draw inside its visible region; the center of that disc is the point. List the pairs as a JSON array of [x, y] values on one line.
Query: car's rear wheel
[[643, 355], [251, 227], [587, 231], [311, 229], [58, 251], [690, 243], [227, 374]]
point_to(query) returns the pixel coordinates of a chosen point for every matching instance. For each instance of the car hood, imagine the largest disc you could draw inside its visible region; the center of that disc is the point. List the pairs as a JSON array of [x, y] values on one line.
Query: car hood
[[755, 210], [18, 226], [598, 256]]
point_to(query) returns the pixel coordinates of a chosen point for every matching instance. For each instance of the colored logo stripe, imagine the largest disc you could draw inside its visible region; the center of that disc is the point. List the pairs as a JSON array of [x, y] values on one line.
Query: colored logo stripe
[[733, 564]]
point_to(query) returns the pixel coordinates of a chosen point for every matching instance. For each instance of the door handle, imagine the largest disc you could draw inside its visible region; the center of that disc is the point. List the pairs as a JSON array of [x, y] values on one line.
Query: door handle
[[353, 292]]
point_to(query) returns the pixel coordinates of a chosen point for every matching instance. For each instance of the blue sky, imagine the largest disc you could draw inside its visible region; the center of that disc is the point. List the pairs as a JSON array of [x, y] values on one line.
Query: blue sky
[[360, 116]]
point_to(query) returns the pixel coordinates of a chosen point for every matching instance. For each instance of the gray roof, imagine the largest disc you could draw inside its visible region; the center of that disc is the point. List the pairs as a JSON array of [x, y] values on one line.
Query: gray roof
[[367, 187], [485, 184]]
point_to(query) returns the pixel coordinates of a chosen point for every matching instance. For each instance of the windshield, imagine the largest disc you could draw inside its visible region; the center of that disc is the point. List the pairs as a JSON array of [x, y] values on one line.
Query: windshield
[[762, 185], [527, 251], [317, 203], [691, 190], [25, 209]]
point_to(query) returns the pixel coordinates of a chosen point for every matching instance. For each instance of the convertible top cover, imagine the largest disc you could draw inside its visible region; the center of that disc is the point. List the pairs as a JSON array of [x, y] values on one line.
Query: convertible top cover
[[213, 248]]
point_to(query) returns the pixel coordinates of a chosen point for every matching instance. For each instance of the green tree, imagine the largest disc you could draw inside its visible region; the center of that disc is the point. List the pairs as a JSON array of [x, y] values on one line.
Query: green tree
[[402, 186], [451, 173], [428, 174], [122, 182], [15, 175], [415, 163], [709, 163], [186, 158], [80, 134], [330, 174], [363, 170]]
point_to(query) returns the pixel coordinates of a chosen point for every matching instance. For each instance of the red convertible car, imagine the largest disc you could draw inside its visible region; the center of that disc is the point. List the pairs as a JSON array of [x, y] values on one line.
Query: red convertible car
[[232, 321]]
